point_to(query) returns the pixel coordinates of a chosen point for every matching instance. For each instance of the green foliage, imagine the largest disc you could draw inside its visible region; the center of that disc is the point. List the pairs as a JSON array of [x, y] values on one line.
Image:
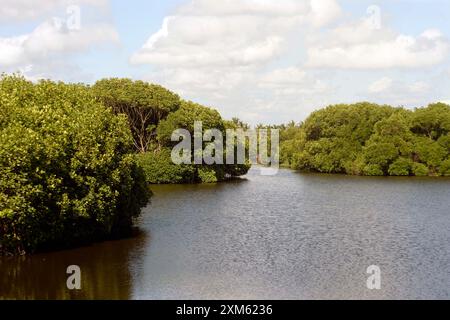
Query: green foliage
[[67, 173], [380, 154], [207, 175], [144, 104], [429, 152], [68, 169], [153, 114], [159, 168], [432, 122], [419, 169], [445, 168], [367, 139], [373, 170], [401, 167], [184, 118]]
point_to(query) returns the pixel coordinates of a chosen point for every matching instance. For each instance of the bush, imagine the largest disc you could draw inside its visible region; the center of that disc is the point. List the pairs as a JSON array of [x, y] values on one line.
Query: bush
[[185, 118], [445, 168], [373, 170], [355, 167], [429, 151], [159, 168], [67, 175], [381, 154], [401, 167], [207, 175], [420, 170]]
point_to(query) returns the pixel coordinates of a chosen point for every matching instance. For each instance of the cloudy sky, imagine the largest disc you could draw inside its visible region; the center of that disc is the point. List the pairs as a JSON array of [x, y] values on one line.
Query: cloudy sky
[[266, 61]]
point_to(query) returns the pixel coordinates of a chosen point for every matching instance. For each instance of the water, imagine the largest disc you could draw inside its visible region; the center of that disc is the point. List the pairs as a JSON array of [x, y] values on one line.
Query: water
[[289, 236]]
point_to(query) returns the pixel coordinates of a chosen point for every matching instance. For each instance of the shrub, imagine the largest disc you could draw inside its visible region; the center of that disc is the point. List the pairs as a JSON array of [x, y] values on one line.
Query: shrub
[[420, 170], [185, 118], [207, 175], [429, 151], [159, 168], [381, 154], [373, 170], [67, 174], [445, 168], [401, 167], [355, 167]]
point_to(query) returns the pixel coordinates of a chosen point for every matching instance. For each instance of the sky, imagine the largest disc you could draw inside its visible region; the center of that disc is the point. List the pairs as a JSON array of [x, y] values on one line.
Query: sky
[[264, 61]]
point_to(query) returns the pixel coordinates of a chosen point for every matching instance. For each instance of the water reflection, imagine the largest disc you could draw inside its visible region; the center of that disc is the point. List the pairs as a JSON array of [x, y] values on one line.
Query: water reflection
[[105, 272]]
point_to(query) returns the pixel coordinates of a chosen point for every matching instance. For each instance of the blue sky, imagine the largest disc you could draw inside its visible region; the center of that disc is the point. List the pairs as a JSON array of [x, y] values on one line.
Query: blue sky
[[261, 60]]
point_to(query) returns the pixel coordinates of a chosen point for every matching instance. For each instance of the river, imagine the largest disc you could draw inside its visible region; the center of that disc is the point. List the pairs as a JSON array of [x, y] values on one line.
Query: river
[[288, 236]]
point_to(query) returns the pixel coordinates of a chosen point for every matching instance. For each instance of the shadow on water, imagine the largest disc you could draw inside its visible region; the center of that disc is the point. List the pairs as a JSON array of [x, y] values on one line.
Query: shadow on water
[[199, 189], [339, 177], [105, 271]]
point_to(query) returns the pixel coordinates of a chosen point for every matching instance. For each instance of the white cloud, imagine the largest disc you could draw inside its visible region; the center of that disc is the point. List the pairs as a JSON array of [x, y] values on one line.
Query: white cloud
[[381, 85], [11, 50], [222, 52], [291, 93], [387, 85], [213, 83], [282, 77], [60, 31], [49, 39], [403, 92], [359, 45], [293, 81], [243, 7], [323, 12], [231, 33], [200, 41], [56, 69], [418, 87]]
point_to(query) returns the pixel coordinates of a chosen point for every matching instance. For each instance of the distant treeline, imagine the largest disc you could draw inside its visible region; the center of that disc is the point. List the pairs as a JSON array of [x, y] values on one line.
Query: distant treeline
[[369, 139]]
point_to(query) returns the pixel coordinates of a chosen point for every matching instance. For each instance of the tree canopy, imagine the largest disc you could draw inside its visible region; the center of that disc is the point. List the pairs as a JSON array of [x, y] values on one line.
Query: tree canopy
[[67, 169], [153, 114], [159, 166], [144, 104], [369, 139]]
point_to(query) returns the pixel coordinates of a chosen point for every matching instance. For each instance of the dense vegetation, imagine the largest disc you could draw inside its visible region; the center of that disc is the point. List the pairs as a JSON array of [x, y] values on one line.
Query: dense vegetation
[[154, 113], [368, 139], [68, 174], [184, 118], [144, 104], [75, 160]]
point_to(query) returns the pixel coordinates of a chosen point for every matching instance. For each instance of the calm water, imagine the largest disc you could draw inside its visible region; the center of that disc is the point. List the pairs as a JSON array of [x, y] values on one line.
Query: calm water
[[289, 236]]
